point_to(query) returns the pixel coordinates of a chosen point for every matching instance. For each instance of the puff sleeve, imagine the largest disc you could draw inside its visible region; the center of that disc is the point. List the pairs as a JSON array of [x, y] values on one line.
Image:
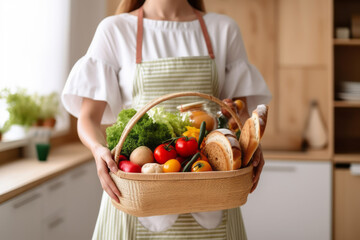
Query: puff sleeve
[[95, 76], [241, 78]]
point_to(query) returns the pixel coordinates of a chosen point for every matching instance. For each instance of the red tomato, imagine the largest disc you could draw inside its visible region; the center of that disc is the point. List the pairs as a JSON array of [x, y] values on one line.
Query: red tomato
[[186, 147], [164, 152], [128, 166]]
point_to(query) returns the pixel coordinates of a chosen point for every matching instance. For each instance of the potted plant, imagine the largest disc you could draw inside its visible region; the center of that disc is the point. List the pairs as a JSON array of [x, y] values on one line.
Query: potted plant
[[48, 109], [23, 110]]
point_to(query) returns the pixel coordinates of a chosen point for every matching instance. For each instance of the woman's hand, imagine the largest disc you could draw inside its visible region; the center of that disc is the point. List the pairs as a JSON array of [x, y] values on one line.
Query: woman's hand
[[258, 164], [104, 162]]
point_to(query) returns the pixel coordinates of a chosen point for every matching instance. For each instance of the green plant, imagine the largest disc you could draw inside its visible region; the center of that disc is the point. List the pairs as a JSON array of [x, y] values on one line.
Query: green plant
[[4, 128], [48, 105], [21, 106]]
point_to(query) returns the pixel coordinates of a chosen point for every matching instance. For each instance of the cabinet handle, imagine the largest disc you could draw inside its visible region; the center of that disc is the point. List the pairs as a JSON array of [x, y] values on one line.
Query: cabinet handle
[[56, 186], [355, 169], [279, 169], [55, 223], [27, 200]]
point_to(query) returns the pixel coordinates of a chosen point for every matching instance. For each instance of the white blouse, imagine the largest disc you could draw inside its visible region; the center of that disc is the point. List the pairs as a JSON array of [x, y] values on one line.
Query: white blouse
[[107, 70]]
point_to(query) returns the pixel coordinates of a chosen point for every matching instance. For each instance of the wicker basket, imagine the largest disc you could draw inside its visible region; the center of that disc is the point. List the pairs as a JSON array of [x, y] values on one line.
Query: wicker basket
[[175, 193]]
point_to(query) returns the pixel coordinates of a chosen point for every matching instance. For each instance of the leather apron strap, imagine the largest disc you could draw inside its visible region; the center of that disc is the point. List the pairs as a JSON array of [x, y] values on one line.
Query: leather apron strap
[[139, 36]]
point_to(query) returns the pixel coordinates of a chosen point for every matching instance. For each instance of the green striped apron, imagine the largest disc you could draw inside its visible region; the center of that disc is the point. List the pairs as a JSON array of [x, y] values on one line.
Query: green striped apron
[[154, 79]]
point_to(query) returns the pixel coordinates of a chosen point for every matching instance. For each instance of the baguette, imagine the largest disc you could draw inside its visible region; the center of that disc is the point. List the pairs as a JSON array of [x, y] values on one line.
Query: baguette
[[252, 132]]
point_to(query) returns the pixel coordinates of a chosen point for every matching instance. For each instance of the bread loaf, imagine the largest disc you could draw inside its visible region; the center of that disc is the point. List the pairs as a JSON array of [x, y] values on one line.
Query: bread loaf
[[252, 132], [223, 150]]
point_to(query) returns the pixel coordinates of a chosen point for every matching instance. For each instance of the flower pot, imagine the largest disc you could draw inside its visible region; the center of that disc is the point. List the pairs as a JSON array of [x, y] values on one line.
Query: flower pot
[[49, 122], [39, 123]]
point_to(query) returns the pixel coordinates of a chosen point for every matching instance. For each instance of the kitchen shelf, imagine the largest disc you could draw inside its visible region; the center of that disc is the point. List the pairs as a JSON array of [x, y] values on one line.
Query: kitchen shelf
[[347, 158], [347, 104], [347, 42]]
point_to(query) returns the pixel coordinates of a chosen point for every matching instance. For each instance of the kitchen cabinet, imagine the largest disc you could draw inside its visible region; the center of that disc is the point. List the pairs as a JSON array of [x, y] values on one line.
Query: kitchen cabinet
[[346, 201], [292, 201], [64, 207], [82, 210]]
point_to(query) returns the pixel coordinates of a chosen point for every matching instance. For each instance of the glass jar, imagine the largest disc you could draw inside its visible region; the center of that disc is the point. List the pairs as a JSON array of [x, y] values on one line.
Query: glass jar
[[197, 114]]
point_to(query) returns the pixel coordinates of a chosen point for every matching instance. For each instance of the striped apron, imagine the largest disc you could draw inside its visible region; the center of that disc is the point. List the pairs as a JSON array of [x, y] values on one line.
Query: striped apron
[[154, 79]]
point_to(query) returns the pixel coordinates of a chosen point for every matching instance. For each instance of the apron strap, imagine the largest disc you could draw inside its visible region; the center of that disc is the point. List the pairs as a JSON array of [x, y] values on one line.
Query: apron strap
[[205, 33], [139, 34]]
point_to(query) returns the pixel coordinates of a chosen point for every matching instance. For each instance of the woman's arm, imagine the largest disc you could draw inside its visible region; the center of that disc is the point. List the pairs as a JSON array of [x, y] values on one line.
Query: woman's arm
[[89, 130], [258, 158]]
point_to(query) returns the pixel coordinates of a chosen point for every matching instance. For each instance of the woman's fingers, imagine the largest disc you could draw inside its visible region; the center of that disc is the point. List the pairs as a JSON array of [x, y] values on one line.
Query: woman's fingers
[[110, 162], [257, 173], [258, 164], [104, 154], [231, 104], [107, 183]]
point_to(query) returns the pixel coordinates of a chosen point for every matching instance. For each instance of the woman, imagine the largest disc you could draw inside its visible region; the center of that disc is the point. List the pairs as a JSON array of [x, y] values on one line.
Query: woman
[[145, 51]]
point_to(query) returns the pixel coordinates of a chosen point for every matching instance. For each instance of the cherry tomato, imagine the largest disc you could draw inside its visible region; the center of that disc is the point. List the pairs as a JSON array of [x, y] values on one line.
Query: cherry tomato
[[171, 165], [128, 166], [164, 152], [186, 147], [201, 166]]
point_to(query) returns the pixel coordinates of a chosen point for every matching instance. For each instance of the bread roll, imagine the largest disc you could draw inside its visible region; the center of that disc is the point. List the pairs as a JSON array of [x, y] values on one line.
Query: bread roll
[[223, 150]]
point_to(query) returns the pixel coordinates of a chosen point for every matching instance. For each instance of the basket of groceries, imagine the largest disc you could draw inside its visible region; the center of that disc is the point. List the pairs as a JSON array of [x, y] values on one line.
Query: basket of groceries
[[185, 161]]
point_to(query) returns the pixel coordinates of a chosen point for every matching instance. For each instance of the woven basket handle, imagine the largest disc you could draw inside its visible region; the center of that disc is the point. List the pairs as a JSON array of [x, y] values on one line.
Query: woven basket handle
[[159, 100]]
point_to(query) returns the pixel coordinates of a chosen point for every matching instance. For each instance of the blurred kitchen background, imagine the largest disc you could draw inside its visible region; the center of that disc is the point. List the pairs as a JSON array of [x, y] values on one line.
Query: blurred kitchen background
[[309, 54]]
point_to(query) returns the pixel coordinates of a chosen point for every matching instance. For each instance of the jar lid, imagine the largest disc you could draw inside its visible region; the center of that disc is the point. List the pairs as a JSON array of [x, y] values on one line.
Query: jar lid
[[185, 107]]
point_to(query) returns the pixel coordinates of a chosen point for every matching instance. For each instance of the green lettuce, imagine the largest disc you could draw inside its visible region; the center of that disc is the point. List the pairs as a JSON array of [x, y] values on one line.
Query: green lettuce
[[146, 132], [175, 122]]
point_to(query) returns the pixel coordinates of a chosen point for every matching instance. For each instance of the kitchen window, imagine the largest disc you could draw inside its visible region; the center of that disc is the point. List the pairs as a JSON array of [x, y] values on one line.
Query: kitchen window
[[34, 38], [40, 40]]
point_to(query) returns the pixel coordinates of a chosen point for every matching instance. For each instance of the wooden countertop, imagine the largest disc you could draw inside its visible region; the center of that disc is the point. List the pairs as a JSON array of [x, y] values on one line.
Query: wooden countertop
[[24, 174]]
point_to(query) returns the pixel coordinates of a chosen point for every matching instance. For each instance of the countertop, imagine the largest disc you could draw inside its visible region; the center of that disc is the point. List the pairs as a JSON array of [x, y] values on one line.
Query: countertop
[[24, 174]]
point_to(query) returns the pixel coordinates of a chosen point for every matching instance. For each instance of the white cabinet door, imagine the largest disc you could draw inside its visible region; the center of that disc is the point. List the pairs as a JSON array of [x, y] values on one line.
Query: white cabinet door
[[54, 208], [292, 201], [25, 216], [83, 201]]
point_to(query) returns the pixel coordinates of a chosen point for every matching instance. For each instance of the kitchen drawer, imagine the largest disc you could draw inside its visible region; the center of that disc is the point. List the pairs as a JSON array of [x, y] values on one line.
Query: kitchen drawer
[[347, 202], [54, 226]]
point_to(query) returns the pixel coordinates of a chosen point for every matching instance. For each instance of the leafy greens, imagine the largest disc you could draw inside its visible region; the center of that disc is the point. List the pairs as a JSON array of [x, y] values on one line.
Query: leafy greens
[[146, 132], [173, 121]]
